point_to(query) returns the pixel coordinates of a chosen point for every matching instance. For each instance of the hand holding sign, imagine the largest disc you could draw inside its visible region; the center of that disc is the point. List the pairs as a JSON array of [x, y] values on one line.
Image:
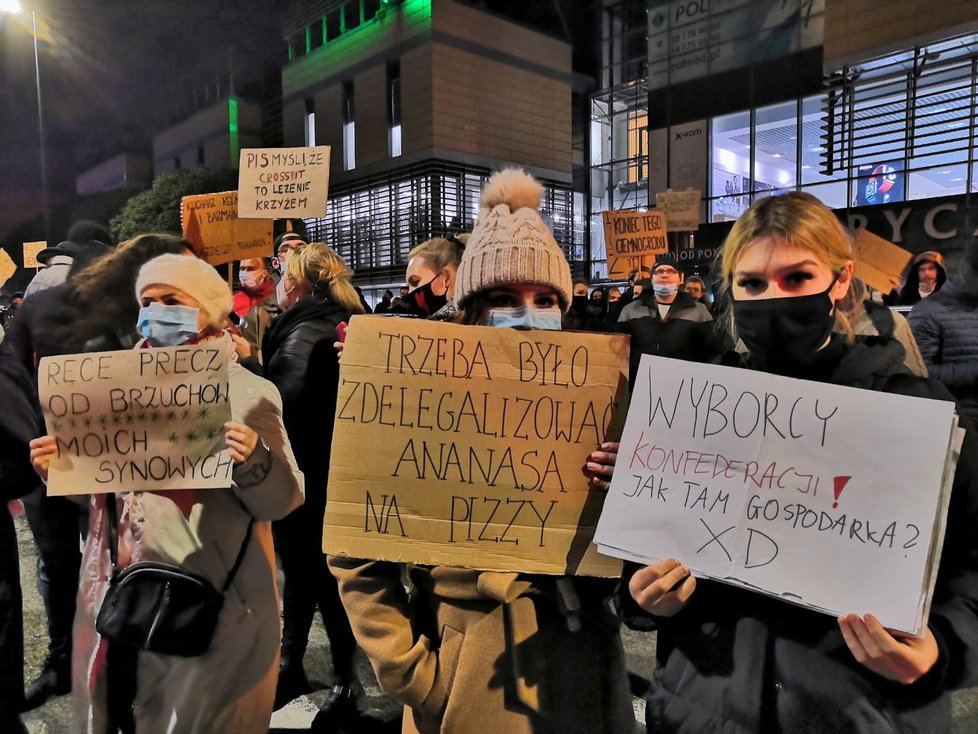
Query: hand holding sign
[[662, 588], [894, 656], [43, 449]]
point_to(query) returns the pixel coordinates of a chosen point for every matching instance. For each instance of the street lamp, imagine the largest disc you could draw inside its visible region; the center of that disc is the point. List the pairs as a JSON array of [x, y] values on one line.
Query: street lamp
[[14, 7]]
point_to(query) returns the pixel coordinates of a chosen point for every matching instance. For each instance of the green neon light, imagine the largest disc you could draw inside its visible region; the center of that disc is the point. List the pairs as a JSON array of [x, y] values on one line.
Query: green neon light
[[233, 130]]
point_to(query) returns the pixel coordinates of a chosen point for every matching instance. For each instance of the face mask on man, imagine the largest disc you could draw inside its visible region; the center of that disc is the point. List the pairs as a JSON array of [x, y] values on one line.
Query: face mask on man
[[285, 297], [167, 326], [665, 290], [525, 318], [423, 301], [785, 330], [250, 280]]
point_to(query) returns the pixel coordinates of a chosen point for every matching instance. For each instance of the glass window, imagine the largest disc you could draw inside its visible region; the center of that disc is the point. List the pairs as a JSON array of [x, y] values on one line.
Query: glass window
[[813, 143], [316, 35], [370, 9], [939, 181], [351, 15], [776, 148], [333, 25], [730, 172]]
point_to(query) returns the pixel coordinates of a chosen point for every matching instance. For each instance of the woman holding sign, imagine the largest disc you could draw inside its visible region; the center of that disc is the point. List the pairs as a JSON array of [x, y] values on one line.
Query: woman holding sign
[[737, 661], [483, 651], [221, 535]]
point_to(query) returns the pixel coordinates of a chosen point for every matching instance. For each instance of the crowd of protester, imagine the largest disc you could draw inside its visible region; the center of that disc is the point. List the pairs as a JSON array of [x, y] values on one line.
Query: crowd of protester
[[466, 650]]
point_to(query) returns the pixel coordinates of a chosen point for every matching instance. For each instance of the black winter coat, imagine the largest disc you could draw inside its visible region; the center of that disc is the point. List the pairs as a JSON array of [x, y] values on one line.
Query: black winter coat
[[299, 358], [733, 661]]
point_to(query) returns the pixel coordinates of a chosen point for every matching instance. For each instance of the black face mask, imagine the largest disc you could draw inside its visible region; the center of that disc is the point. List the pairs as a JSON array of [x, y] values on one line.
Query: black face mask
[[785, 331], [579, 303], [423, 302]]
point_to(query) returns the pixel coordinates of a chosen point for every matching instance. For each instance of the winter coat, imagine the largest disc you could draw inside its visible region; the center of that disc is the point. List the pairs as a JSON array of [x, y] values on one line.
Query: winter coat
[[875, 319], [63, 261], [734, 661], [230, 688], [686, 332], [256, 322], [481, 651], [946, 328]]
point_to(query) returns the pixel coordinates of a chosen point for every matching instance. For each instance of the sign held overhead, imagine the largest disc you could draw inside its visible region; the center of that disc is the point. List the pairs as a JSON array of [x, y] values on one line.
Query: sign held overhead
[[632, 240], [283, 182]]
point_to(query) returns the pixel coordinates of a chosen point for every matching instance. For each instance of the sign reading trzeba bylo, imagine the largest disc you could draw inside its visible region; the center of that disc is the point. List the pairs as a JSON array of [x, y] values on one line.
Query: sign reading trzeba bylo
[[818, 494], [633, 239], [283, 182], [140, 419], [463, 445]]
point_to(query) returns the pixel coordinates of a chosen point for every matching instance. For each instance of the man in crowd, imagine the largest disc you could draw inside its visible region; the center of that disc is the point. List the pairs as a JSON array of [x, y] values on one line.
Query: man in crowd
[[285, 243], [86, 241], [666, 322], [385, 302], [256, 285], [927, 275]]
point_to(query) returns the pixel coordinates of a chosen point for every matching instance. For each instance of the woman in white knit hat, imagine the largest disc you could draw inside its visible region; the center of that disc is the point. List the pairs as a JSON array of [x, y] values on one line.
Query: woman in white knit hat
[[481, 651], [230, 688]]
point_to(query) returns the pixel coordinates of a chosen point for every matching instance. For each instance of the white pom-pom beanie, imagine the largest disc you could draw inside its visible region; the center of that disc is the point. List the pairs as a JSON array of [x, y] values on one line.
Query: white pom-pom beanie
[[195, 278], [510, 243]]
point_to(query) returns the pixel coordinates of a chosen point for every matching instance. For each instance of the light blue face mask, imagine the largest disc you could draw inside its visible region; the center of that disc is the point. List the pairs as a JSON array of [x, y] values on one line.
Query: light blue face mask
[[525, 318], [167, 326]]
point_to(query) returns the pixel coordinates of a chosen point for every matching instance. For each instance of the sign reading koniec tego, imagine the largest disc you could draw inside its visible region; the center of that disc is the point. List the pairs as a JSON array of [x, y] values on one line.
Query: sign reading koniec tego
[[138, 419], [633, 239], [283, 182], [814, 493], [463, 445]]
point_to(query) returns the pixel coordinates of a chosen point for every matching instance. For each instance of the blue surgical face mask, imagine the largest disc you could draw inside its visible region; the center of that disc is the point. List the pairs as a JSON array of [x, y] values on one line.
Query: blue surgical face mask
[[665, 290], [167, 326], [526, 318]]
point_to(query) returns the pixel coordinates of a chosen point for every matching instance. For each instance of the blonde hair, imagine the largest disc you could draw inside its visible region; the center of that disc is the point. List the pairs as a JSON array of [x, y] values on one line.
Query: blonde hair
[[440, 253], [324, 272], [799, 220]]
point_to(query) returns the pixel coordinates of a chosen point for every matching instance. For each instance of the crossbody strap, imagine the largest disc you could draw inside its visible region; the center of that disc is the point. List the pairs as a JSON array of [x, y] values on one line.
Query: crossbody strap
[[114, 542]]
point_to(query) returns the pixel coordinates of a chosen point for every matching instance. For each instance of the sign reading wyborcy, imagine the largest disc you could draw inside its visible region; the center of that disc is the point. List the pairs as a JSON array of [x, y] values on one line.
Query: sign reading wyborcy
[[139, 419], [463, 445], [283, 182], [813, 493], [633, 239]]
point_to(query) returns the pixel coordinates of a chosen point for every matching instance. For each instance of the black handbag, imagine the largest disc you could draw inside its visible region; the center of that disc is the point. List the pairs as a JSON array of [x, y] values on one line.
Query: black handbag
[[160, 607]]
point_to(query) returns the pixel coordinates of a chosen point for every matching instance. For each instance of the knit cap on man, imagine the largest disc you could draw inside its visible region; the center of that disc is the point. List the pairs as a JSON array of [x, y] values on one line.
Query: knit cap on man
[[510, 243], [195, 278]]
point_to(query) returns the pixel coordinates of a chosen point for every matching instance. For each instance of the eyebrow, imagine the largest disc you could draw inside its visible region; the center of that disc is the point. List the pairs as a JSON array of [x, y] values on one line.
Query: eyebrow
[[794, 266]]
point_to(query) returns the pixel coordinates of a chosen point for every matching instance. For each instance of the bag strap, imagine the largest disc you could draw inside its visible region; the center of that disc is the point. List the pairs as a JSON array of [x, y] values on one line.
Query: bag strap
[[114, 541]]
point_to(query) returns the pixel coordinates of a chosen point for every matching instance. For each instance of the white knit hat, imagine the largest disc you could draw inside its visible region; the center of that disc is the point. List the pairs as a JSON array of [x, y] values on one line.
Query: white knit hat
[[510, 243], [195, 278]]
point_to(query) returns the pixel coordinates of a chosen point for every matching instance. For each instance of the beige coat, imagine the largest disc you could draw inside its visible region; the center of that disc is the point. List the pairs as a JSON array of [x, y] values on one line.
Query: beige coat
[[478, 651], [229, 689]]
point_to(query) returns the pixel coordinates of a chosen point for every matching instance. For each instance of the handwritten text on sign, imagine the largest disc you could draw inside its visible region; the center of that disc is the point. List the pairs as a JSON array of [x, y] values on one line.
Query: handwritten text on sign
[[633, 239], [463, 445], [816, 493], [141, 419], [283, 182], [211, 224]]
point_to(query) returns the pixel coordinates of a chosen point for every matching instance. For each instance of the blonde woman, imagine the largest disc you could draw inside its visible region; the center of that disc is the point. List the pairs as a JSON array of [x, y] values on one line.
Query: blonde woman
[[315, 294]]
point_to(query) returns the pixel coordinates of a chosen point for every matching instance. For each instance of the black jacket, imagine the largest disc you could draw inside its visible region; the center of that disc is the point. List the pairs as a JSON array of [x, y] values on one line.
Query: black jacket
[[299, 357], [735, 661]]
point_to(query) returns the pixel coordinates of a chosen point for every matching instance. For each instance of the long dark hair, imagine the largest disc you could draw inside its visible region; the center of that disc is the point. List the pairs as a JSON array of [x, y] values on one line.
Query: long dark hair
[[103, 294]]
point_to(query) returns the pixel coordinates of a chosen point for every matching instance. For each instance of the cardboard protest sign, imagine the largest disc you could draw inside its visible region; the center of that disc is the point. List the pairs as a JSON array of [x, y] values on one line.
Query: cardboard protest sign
[[879, 263], [633, 239], [283, 182], [810, 492], [7, 267], [682, 209], [138, 419], [210, 222], [30, 253], [463, 445]]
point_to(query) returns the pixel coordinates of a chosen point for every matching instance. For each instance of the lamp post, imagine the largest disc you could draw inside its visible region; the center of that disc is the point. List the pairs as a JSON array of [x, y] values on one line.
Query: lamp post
[[14, 7]]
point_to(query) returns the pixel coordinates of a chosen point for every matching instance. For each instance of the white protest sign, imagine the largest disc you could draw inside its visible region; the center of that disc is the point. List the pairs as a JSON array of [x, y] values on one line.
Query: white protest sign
[[682, 209], [139, 419], [283, 182], [820, 495]]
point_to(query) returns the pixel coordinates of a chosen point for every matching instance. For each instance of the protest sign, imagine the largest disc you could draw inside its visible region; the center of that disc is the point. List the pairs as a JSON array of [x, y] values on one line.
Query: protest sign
[[138, 419], [463, 445], [210, 222], [682, 209], [30, 254], [814, 493], [633, 239], [283, 182], [879, 263], [7, 267]]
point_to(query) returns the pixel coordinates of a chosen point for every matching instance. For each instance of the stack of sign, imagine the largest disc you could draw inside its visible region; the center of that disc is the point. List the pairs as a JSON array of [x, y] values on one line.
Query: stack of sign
[[820, 495]]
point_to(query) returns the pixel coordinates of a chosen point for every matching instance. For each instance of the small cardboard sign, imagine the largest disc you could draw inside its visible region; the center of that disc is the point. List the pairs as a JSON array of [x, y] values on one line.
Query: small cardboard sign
[[810, 492], [7, 266], [31, 249], [463, 445], [283, 182], [210, 222], [137, 419], [682, 209], [633, 239], [879, 263]]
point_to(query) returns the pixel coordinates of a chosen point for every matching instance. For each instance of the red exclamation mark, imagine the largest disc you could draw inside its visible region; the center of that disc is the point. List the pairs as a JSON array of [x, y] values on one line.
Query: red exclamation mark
[[839, 483]]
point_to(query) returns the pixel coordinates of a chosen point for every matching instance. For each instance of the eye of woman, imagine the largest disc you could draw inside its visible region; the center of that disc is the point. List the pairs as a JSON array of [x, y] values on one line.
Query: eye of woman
[[503, 299], [797, 278], [752, 285], [545, 300]]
